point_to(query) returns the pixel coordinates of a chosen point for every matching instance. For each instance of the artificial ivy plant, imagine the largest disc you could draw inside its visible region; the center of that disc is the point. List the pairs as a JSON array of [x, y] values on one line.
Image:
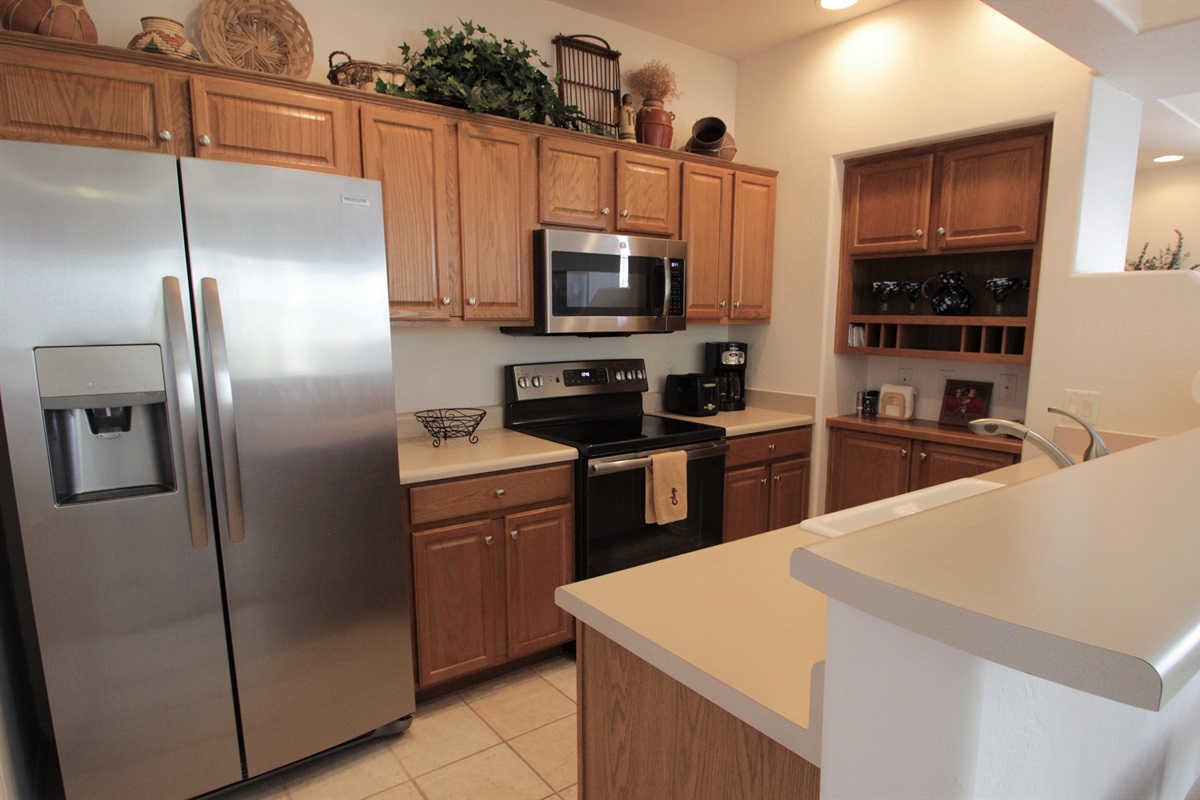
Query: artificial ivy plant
[[472, 69]]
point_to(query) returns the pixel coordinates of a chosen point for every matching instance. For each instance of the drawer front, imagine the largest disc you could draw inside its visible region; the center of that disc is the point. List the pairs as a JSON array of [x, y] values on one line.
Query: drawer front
[[768, 446], [496, 493]]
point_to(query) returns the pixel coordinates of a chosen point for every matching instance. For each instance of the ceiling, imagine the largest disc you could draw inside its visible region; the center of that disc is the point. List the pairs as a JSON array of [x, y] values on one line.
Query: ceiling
[[1146, 48]]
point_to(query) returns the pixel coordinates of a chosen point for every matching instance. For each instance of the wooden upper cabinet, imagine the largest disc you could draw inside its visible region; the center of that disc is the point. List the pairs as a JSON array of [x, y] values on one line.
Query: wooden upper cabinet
[[70, 99], [497, 209], [647, 194], [991, 193], [410, 154], [753, 247], [888, 205], [575, 183], [240, 121], [708, 230]]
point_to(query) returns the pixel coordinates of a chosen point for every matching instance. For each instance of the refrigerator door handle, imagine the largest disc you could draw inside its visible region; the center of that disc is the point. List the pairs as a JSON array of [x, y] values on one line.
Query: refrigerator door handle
[[186, 425], [225, 462]]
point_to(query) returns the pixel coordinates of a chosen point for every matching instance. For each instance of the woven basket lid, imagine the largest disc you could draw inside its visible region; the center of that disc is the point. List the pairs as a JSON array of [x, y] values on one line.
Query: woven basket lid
[[258, 35]]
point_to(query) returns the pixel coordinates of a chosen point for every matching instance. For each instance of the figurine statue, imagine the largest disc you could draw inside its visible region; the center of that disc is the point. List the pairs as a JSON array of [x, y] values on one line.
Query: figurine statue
[[628, 117]]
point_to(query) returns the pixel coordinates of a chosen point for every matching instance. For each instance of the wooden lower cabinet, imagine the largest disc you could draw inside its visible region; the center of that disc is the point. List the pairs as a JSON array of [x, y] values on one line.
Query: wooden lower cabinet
[[643, 736], [766, 482], [870, 465], [484, 587]]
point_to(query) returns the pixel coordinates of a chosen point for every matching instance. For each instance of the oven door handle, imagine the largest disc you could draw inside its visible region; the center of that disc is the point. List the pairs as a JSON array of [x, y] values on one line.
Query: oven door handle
[[598, 467]]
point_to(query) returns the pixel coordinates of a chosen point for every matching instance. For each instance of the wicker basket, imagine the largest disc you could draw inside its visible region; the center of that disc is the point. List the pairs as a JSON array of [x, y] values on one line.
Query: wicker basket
[[258, 35], [362, 74], [451, 423]]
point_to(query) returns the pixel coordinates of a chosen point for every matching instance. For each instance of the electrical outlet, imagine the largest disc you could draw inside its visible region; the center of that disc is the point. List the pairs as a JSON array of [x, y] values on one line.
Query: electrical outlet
[[1085, 405], [906, 375], [670, 369], [1008, 387]]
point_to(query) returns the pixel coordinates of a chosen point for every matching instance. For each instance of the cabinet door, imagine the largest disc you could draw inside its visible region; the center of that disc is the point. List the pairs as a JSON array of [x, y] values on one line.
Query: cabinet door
[[747, 502], [458, 572], [496, 211], [240, 121], [789, 492], [991, 193], [69, 99], [753, 247], [647, 194], [406, 152], [575, 183], [887, 205], [939, 463], [708, 230], [864, 467], [540, 557]]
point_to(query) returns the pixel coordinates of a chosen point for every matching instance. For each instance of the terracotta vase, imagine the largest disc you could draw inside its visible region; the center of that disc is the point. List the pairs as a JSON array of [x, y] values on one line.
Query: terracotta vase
[[63, 19], [653, 124], [162, 35]]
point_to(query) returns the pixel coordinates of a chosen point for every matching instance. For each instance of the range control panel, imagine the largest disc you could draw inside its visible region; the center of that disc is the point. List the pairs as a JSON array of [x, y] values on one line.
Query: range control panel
[[574, 378]]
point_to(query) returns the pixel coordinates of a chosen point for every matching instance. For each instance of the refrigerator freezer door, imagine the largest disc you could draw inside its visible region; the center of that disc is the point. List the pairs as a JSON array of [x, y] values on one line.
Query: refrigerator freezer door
[[289, 281], [125, 591]]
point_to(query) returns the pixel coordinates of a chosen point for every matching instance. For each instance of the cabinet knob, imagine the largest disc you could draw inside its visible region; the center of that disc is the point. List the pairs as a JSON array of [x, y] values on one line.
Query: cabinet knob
[[923, 456], [204, 140], [941, 231], [778, 478], [471, 301], [445, 301], [770, 448], [722, 304], [763, 481], [625, 212], [919, 233], [515, 534], [499, 493], [738, 304], [487, 540], [903, 452], [164, 135], [604, 212]]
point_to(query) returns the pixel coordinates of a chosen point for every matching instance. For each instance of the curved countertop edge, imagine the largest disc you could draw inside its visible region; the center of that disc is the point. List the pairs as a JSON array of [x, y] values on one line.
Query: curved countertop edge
[[804, 742], [498, 449], [1083, 577], [1124, 678]]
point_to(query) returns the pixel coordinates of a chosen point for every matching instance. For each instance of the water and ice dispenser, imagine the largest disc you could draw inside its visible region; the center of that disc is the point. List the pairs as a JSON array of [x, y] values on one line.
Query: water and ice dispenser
[[105, 409]]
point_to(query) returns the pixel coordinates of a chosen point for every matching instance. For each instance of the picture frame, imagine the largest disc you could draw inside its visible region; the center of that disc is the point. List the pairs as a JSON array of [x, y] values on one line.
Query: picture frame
[[965, 401]]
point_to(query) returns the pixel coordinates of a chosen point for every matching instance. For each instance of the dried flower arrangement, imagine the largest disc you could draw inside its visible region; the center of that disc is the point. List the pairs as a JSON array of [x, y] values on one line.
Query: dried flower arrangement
[[1166, 259], [654, 80]]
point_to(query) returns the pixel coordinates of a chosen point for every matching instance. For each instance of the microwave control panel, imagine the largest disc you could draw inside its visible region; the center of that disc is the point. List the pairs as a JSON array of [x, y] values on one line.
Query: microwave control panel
[[678, 289]]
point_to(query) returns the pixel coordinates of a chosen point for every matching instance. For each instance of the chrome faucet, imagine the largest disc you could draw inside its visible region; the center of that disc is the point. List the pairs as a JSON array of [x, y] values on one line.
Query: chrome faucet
[[995, 427]]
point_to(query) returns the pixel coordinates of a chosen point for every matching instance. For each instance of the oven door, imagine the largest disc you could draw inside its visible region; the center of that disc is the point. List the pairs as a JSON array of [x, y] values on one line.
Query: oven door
[[613, 533]]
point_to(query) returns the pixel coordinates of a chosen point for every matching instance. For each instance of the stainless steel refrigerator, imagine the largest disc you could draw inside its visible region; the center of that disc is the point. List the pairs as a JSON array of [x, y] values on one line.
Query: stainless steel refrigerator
[[200, 485]]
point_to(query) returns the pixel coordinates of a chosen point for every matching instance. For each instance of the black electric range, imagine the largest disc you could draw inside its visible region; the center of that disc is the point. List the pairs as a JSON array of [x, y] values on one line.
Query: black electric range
[[596, 407]]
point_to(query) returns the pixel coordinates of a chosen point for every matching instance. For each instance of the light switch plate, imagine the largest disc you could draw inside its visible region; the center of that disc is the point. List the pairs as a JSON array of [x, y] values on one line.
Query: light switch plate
[[1086, 405]]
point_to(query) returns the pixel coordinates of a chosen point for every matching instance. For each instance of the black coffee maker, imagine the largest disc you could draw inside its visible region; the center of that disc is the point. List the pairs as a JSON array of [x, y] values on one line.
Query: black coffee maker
[[726, 361]]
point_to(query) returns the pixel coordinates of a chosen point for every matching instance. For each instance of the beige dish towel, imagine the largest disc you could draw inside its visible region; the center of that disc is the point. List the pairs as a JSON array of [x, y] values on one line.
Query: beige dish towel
[[666, 488]]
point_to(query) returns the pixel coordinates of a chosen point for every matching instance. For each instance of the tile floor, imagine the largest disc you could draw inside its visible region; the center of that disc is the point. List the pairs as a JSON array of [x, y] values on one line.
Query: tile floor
[[512, 738]]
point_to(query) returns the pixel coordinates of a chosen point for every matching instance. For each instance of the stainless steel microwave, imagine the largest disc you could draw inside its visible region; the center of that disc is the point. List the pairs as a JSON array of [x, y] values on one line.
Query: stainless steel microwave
[[598, 284]]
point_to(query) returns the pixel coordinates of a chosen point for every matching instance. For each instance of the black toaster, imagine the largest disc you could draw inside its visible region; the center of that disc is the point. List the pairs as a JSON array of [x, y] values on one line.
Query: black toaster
[[693, 394]]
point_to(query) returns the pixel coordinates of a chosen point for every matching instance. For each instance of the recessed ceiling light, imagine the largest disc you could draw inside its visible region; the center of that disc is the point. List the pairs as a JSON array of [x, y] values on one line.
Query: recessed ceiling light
[[1167, 159], [836, 5]]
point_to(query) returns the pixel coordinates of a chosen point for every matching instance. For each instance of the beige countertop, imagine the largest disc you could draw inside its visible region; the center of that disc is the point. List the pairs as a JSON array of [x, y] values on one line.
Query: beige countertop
[[497, 449], [727, 622], [1086, 576], [751, 420]]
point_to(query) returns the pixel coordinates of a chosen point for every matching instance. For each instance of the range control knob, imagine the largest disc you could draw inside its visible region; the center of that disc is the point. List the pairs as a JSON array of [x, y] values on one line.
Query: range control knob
[[620, 376], [641, 373], [537, 381], [523, 382]]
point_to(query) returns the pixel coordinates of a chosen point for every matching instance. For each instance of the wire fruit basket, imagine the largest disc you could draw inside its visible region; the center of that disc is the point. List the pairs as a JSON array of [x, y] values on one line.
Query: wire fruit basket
[[451, 423]]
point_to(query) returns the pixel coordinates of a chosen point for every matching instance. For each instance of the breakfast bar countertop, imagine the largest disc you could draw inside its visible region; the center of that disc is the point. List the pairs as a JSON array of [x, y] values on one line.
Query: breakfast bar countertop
[[1085, 576]]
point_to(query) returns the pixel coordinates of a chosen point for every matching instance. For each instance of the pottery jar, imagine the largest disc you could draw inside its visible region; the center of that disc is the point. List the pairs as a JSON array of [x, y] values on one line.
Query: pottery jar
[[162, 35], [654, 124], [62, 19]]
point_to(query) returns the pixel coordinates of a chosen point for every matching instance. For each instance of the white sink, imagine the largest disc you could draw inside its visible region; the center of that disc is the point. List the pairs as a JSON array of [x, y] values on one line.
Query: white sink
[[852, 519]]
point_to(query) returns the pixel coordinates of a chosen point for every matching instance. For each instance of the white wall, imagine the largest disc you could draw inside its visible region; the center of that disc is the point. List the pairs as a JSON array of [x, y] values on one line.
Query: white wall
[[913, 72], [1166, 198]]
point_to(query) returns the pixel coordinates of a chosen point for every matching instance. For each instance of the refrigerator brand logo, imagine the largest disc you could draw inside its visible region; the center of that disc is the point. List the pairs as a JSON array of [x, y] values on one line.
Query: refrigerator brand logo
[[355, 200]]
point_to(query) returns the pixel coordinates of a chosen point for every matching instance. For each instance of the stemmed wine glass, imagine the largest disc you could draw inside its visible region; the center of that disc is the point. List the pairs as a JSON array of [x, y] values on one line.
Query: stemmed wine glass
[[885, 290], [913, 290], [1001, 288]]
